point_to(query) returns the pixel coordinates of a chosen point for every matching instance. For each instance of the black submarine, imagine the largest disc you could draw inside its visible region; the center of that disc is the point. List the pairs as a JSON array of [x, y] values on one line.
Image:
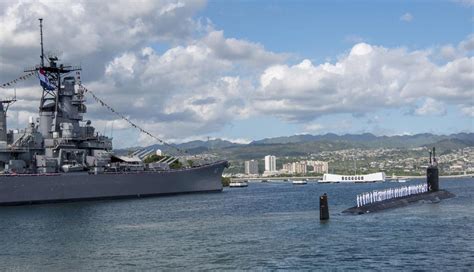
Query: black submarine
[[433, 194]]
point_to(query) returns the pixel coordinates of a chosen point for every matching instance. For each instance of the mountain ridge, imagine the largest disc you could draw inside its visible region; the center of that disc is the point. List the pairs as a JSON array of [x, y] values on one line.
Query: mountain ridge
[[306, 143]]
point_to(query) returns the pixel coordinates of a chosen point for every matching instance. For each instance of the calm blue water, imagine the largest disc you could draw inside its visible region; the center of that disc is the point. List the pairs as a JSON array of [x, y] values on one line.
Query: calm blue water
[[261, 227]]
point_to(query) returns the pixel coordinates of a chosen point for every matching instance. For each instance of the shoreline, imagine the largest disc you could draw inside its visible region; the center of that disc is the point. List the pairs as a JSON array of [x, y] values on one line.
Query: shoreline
[[318, 178]]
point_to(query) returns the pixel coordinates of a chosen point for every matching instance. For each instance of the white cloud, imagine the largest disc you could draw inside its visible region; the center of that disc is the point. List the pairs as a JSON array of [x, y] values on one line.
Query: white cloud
[[431, 107], [91, 33], [195, 87], [468, 3], [238, 140], [365, 80], [313, 127], [188, 89], [468, 111], [122, 65], [450, 52], [204, 80], [354, 38], [407, 17], [240, 50]]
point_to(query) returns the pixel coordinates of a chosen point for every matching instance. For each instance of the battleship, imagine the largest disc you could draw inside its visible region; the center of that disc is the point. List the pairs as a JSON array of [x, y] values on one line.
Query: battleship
[[59, 156]]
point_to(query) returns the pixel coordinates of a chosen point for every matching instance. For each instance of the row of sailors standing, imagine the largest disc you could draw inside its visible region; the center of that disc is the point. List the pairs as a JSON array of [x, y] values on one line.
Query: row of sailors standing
[[377, 196]]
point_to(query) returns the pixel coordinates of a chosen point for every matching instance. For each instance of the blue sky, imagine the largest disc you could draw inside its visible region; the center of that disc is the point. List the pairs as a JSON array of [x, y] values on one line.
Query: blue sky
[[246, 70], [322, 30]]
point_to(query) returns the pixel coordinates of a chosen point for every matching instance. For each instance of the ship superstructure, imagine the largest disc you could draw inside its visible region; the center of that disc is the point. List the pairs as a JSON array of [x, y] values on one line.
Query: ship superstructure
[[60, 147], [59, 140]]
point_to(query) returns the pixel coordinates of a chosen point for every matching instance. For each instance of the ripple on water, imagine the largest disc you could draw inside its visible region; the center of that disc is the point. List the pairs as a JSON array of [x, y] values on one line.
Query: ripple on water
[[261, 227]]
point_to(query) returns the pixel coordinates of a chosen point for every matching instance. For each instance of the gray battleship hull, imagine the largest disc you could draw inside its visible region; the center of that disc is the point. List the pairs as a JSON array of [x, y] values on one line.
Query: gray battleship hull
[[31, 189]]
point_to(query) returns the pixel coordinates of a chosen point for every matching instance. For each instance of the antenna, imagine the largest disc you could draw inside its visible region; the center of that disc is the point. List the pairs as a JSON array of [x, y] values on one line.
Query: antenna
[[41, 35], [112, 131]]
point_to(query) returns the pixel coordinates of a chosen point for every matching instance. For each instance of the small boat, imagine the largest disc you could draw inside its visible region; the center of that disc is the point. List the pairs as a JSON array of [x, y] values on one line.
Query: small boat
[[299, 182], [401, 180], [237, 184], [264, 180]]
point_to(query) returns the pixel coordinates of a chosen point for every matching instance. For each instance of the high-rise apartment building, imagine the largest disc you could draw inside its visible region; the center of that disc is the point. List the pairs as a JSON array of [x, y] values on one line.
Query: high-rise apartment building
[[270, 163], [251, 167]]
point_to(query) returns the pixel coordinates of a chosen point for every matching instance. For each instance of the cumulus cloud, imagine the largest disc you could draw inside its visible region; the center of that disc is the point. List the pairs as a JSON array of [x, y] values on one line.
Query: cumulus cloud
[[366, 79], [468, 3], [431, 107], [186, 90], [203, 80], [468, 111], [313, 127], [196, 86], [354, 38], [90, 33], [407, 17], [451, 52]]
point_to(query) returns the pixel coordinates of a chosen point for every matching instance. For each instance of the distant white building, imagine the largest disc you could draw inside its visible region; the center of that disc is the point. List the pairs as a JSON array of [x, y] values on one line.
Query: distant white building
[[380, 176], [270, 164], [295, 167], [251, 167], [320, 167]]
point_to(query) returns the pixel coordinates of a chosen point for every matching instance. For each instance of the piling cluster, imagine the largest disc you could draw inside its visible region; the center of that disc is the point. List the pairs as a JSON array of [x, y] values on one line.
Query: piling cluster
[[390, 193]]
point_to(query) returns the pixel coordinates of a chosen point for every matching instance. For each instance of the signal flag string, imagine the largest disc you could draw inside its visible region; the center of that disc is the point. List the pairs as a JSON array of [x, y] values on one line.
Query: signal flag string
[[123, 117], [13, 82]]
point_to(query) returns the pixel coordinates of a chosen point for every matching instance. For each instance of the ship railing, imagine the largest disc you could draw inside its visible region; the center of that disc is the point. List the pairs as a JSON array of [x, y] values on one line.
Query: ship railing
[[29, 175], [390, 193], [15, 148], [131, 172]]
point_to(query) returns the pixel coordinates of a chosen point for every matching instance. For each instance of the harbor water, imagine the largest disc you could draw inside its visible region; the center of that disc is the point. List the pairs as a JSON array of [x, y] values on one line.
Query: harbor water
[[265, 226]]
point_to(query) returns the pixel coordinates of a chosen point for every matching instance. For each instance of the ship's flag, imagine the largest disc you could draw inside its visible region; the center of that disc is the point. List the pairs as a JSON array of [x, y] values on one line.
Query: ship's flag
[[44, 80]]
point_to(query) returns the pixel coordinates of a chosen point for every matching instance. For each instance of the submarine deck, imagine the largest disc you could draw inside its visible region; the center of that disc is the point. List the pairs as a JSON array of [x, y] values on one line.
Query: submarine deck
[[399, 202]]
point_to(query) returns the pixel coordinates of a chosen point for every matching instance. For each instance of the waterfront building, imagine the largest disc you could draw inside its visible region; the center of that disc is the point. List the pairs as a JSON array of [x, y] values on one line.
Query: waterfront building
[[380, 176], [319, 167], [251, 167], [295, 167], [270, 164], [300, 167]]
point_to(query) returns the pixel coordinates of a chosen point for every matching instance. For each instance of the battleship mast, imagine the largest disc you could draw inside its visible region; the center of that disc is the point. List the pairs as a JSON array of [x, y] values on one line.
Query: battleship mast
[[53, 96], [41, 34]]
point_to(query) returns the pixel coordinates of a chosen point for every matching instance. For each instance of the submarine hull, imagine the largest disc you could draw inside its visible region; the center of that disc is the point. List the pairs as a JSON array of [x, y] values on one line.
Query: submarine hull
[[34, 189], [400, 202]]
